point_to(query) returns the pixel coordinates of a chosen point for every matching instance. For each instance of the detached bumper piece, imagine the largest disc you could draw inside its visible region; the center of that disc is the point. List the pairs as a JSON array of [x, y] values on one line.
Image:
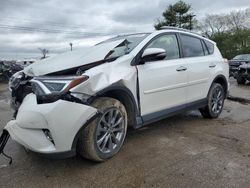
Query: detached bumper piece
[[3, 141]]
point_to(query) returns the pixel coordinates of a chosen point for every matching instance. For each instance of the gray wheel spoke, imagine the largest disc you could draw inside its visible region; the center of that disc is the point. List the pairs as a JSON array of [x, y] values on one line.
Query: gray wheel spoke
[[99, 142], [118, 121], [105, 122], [101, 129], [110, 116], [119, 129], [114, 117], [114, 138], [219, 95], [110, 143], [214, 107], [105, 141]]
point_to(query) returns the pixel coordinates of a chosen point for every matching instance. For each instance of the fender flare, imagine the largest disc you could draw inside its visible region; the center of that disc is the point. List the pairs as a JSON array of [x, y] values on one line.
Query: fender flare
[[224, 80]]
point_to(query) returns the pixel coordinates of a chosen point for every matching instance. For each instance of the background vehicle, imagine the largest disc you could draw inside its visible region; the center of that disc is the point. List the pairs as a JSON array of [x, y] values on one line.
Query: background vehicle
[[243, 73], [85, 100], [5, 72], [236, 62]]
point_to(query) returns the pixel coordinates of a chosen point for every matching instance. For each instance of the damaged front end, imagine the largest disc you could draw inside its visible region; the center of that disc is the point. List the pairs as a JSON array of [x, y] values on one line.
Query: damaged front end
[[51, 98], [48, 115]]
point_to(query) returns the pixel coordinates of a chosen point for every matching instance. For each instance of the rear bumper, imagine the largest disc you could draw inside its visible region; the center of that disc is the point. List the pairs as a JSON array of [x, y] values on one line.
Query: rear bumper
[[62, 119]]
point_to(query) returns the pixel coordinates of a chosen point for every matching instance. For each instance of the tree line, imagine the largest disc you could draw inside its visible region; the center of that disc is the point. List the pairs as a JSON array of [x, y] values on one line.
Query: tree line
[[230, 31]]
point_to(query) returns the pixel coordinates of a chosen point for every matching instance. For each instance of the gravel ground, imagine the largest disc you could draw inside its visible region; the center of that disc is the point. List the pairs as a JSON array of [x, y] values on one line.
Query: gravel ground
[[182, 151]]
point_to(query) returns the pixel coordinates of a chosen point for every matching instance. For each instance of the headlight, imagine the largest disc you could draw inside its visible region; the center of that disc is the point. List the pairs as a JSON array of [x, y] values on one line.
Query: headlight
[[55, 85]]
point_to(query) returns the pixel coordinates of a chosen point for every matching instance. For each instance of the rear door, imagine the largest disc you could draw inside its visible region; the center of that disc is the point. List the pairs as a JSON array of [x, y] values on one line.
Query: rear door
[[198, 65], [163, 83]]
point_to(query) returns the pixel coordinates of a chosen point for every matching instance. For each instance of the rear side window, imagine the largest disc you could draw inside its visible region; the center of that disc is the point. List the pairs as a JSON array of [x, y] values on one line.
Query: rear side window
[[205, 48], [191, 46], [210, 47]]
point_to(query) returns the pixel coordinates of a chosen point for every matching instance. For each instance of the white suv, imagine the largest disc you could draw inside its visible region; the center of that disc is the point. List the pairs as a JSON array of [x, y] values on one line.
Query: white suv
[[83, 101]]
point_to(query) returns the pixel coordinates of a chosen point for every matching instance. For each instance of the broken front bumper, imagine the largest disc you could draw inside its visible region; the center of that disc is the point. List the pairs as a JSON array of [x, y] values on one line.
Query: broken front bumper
[[49, 128]]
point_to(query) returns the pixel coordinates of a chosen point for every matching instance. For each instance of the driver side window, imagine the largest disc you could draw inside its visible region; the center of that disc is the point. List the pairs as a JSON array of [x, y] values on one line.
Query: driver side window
[[169, 43]]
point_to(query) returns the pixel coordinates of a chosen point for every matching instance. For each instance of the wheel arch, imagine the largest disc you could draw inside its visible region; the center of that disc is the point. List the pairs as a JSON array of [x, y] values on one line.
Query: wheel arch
[[125, 96], [221, 79]]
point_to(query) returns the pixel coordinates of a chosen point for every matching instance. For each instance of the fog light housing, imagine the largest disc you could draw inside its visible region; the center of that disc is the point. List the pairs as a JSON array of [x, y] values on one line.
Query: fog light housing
[[48, 135]]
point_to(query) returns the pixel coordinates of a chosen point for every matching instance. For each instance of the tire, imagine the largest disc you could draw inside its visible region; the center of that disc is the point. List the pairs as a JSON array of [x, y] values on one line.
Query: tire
[[216, 97], [241, 80], [91, 144]]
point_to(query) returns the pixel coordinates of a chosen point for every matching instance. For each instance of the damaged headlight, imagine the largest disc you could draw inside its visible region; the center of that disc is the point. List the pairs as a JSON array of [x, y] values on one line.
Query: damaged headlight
[[51, 85], [52, 89]]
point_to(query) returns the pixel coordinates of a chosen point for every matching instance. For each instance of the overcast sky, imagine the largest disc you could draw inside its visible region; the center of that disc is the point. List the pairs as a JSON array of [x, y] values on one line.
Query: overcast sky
[[28, 24]]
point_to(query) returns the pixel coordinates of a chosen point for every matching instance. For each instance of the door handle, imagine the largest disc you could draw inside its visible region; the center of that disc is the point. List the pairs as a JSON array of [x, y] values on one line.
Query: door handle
[[212, 65], [181, 68]]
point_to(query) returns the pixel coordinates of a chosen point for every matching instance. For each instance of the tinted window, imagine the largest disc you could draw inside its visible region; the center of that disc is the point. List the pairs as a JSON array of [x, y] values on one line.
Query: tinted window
[[205, 48], [168, 43], [210, 47], [192, 46]]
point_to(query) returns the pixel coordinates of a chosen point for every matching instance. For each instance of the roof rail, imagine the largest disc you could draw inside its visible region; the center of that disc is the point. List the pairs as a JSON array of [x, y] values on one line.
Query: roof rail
[[180, 29]]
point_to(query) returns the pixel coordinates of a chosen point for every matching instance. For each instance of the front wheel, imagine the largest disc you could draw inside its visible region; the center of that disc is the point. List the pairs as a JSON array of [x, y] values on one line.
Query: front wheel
[[216, 97], [104, 137]]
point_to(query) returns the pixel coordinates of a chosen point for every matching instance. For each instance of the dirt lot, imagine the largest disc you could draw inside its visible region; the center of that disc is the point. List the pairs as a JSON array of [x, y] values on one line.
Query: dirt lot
[[182, 151]]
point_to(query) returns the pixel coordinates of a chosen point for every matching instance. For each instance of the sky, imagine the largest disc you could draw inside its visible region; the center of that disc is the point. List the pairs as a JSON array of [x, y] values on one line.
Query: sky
[[27, 25]]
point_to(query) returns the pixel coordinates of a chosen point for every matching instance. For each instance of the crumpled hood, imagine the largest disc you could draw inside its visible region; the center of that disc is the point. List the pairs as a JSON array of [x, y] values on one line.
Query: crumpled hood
[[70, 59]]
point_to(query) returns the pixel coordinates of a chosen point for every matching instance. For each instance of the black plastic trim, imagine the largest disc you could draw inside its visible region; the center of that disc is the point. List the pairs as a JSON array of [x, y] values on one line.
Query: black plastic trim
[[156, 116], [58, 155]]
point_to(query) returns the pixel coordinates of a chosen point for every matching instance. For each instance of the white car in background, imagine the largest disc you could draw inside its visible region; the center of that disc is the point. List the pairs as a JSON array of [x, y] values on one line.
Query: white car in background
[[83, 101]]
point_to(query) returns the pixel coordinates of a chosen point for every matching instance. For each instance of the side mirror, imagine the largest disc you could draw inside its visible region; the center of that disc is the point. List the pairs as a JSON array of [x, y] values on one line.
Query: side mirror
[[153, 54]]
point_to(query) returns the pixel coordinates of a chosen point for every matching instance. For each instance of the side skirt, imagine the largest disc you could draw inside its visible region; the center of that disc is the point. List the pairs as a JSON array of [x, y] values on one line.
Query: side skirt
[[156, 116]]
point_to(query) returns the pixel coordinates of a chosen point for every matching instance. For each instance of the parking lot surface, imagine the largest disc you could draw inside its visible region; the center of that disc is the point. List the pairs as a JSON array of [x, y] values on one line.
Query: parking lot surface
[[181, 151]]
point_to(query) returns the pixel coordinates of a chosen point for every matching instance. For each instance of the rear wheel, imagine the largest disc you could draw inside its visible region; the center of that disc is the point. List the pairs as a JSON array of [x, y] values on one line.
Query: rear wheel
[[241, 80], [104, 137], [216, 97]]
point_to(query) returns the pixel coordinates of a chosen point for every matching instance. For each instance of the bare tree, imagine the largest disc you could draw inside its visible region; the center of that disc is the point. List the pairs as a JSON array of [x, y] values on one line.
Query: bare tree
[[44, 52], [237, 19], [220, 23], [212, 24]]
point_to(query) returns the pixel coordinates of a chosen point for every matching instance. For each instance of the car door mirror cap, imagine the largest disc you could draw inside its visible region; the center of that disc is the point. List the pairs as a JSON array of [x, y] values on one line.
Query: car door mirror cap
[[153, 54]]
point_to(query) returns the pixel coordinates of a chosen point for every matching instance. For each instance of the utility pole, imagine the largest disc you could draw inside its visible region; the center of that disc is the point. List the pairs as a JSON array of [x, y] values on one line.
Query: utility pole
[[71, 46]]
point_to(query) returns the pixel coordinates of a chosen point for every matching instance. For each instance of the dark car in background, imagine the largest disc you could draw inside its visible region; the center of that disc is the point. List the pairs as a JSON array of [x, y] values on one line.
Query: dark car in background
[[16, 67], [236, 62], [243, 73], [5, 71]]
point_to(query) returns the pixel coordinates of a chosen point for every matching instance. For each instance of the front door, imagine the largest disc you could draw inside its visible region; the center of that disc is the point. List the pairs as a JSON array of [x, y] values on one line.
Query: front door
[[163, 83]]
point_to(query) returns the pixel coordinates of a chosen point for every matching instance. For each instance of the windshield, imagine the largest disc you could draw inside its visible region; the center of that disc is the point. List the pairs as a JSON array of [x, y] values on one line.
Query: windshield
[[130, 42], [244, 57]]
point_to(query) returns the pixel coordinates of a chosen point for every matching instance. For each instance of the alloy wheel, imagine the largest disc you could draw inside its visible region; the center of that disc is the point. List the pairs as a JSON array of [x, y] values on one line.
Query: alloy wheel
[[110, 130], [217, 100]]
